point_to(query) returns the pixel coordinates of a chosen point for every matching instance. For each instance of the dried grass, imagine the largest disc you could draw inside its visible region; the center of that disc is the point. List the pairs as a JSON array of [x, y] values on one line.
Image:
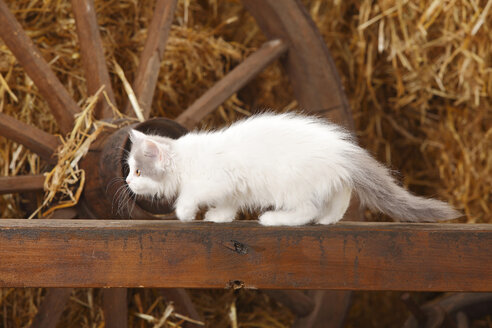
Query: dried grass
[[64, 183], [419, 78], [418, 75]]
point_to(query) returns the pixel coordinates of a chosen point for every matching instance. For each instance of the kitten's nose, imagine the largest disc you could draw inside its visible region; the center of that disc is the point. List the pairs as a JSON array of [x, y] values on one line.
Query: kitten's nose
[[128, 181]]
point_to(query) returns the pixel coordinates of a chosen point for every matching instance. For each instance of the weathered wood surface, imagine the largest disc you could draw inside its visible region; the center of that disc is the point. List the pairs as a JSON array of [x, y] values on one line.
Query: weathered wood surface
[[150, 59], [61, 104], [20, 183], [362, 256], [232, 82], [40, 142], [91, 49]]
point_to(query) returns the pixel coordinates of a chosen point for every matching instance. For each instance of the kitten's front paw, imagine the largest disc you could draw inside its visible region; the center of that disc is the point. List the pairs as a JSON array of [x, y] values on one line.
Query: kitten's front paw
[[185, 214]]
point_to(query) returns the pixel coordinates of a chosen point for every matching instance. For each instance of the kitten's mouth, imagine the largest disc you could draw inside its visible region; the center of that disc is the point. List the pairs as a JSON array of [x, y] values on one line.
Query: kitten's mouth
[[135, 191], [138, 192]]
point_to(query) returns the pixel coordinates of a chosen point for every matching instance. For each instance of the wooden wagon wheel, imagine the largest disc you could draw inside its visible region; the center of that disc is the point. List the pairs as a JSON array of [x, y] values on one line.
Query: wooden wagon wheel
[[450, 310], [293, 38]]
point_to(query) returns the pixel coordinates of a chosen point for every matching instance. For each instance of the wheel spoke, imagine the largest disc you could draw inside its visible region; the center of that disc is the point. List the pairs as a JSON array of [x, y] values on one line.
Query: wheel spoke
[[51, 308], [182, 302], [115, 307], [297, 301], [331, 306], [232, 82], [150, 59], [311, 69], [62, 105], [40, 142], [91, 48], [21, 183]]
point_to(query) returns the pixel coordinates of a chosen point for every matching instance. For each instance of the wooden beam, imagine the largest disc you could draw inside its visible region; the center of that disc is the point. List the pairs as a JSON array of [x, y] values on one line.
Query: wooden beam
[[40, 142], [20, 183], [346, 256], [61, 104], [91, 48], [232, 82], [150, 59]]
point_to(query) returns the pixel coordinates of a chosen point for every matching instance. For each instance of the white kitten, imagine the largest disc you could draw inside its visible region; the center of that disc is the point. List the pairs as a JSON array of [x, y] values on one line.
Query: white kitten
[[302, 167]]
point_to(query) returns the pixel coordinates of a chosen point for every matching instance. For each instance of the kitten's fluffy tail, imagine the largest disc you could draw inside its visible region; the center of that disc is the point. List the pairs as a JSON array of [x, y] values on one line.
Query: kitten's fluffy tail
[[378, 190]]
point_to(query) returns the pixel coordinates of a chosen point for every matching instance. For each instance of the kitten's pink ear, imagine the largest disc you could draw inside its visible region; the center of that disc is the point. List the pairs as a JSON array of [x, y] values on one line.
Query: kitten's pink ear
[[136, 135], [158, 152], [151, 149]]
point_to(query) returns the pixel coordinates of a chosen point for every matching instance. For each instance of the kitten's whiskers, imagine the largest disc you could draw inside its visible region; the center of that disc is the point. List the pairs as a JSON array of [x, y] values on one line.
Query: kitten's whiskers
[[113, 181], [121, 196]]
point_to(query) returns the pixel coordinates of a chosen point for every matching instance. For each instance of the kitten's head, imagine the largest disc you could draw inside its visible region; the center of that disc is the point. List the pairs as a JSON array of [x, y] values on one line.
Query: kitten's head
[[148, 161]]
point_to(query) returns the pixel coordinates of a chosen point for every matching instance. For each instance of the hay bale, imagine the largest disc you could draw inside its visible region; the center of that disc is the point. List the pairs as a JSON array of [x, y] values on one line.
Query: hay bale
[[418, 76]]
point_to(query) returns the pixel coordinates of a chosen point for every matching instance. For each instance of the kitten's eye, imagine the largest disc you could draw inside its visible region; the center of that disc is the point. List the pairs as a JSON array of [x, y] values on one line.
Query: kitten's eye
[[138, 172]]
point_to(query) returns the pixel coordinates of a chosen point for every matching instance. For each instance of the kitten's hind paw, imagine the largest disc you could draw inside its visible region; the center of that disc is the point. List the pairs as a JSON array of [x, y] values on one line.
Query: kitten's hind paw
[[271, 219], [219, 215], [286, 218]]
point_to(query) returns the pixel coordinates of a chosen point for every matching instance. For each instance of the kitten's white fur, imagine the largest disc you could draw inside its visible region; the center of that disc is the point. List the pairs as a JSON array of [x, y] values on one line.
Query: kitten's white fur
[[301, 167]]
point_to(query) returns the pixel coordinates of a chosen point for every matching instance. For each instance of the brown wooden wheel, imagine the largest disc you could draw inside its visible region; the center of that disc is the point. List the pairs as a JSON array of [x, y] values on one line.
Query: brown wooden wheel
[[450, 310], [293, 39]]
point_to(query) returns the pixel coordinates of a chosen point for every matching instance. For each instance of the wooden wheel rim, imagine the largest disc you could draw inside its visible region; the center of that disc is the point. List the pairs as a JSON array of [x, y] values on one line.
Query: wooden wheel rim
[[310, 68]]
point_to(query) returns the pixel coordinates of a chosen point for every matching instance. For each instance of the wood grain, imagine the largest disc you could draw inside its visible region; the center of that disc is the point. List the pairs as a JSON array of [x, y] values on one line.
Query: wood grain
[[345, 256], [21, 183], [62, 105], [232, 82], [150, 59], [92, 52], [40, 142]]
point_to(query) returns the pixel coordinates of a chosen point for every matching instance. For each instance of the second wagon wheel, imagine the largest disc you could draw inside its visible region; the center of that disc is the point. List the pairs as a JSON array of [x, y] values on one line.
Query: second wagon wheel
[[292, 38]]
